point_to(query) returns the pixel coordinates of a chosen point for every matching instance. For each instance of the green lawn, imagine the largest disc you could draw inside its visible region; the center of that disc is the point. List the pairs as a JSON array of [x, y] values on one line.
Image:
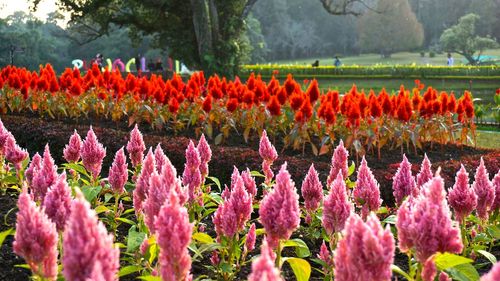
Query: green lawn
[[488, 139], [397, 58]]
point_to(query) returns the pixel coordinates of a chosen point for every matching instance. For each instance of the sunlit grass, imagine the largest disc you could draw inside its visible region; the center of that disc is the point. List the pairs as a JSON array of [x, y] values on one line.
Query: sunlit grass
[[488, 139]]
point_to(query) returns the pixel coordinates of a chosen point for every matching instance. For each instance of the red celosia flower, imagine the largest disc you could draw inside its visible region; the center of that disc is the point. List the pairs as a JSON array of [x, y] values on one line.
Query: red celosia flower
[[274, 106], [207, 104], [313, 91], [296, 101]]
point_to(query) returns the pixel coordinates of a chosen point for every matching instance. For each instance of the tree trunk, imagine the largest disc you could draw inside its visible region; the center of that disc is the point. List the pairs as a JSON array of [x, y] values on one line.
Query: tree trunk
[[202, 29]]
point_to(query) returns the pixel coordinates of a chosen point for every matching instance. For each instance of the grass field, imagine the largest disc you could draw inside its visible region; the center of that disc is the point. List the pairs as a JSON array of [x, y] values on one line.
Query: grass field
[[488, 139], [397, 58]]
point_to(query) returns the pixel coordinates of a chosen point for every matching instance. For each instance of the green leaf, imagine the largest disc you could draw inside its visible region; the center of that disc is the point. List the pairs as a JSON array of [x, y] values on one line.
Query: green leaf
[[129, 270], [6, 233], [390, 219], [494, 231], [463, 272], [216, 181], [448, 260], [257, 174], [218, 139], [126, 221], [134, 239], [22, 266], [486, 254], [401, 272], [77, 167], [10, 180], [351, 169], [203, 238], [91, 192], [301, 249], [100, 209], [107, 197], [150, 278], [301, 268]]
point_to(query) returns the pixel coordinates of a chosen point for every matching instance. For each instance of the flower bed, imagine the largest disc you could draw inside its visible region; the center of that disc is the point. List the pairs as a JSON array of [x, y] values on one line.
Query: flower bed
[[301, 115], [176, 225]]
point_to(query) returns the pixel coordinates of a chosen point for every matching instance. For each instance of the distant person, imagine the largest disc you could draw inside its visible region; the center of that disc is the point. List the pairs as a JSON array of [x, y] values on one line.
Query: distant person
[[99, 59], [450, 61], [151, 65], [158, 65], [337, 62], [138, 63], [316, 63]]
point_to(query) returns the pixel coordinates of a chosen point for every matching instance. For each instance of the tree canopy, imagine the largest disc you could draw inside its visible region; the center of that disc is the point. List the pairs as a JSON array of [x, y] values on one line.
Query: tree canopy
[[462, 38]]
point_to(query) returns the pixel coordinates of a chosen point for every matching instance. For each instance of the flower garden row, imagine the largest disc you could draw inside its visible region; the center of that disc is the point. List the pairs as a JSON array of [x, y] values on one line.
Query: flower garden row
[[69, 217], [301, 114], [395, 71]]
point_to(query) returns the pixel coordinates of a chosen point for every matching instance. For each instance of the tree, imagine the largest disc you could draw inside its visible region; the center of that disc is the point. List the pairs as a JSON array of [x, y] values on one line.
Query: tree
[[392, 28], [462, 39]]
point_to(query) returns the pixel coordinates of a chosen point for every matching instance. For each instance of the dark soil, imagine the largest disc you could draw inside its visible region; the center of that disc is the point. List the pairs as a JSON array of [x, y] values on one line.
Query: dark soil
[[33, 133]]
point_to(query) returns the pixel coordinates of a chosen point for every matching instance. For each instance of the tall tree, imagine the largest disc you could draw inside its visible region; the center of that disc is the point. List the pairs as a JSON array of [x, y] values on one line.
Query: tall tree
[[463, 39], [392, 28]]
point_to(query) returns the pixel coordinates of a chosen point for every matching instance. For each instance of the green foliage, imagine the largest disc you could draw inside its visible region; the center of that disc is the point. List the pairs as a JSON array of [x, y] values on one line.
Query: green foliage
[[392, 22], [463, 39]]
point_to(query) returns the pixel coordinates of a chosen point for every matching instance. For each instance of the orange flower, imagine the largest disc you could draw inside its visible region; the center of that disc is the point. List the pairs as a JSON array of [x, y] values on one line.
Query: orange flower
[[207, 104], [313, 91], [173, 105], [296, 101], [452, 103], [274, 106], [232, 104]]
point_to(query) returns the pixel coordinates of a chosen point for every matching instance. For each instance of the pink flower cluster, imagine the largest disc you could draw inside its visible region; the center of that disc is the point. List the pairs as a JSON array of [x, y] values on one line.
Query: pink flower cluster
[[118, 173], [366, 251], [366, 192], [279, 210], [89, 253], [72, 150], [10, 150], [92, 154], [205, 155], [424, 223], [425, 173], [44, 175], [174, 235], [493, 275], [462, 197], [403, 184], [250, 240], [232, 215], [192, 175], [336, 208], [142, 185], [312, 192], [36, 238], [136, 147], [263, 267], [485, 191], [57, 202], [339, 163], [269, 155]]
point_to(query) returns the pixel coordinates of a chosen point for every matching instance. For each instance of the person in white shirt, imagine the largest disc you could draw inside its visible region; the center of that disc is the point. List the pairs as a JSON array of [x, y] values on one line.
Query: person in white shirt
[[450, 60]]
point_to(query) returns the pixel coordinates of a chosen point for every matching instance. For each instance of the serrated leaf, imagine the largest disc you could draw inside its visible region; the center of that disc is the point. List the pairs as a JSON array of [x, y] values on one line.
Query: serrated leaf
[[134, 239], [203, 238], [124, 271], [301, 268], [447, 260]]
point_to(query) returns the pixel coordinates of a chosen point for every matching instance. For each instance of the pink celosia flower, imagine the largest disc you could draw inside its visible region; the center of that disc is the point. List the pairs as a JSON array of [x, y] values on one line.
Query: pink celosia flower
[[312, 192], [57, 202], [35, 164], [367, 192], [484, 190], [493, 275], [36, 238], [15, 154], [366, 251], [92, 154], [136, 147], [425, 173], [279, 210], [444, 277], [169, 178], [339, 163], [155, 198], [44, 177], [429, 270], [403, 183], [424, 223], [4, 136], [214, 259], [160, 158], [249, 181], [72, 150], [88, 248], [118, 173], [142, 186], [174, 235], [496, 184], [263, 266], [326, 256], [462, 197], [232, 215], [336, 206], [205, 155], [268, 154], [192, 176], [251, 237]]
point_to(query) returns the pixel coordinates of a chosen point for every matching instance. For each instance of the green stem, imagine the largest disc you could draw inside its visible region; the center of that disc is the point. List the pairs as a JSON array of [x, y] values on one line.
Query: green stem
[[278, 254]]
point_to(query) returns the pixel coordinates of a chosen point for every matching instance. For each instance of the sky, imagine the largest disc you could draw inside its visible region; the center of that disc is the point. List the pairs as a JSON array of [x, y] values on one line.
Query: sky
[[8, 7]]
